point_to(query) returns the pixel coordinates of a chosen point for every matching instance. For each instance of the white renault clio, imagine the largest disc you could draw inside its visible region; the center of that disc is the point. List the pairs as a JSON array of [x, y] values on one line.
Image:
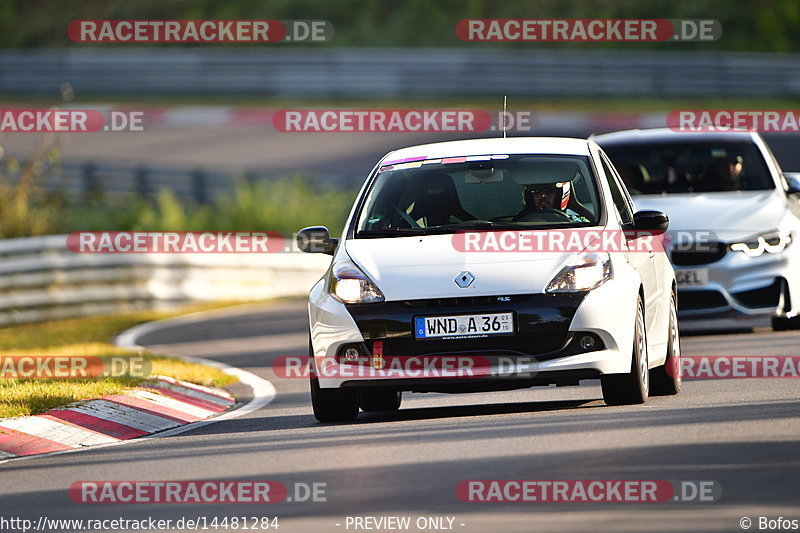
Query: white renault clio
[[491, 264]]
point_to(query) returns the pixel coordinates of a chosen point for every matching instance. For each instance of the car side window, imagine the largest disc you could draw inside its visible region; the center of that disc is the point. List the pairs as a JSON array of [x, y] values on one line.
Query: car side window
[[618, 194]]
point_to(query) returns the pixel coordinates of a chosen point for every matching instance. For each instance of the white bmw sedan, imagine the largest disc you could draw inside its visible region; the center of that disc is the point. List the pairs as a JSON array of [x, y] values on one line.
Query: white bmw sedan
[[734, 219], [491, 264]]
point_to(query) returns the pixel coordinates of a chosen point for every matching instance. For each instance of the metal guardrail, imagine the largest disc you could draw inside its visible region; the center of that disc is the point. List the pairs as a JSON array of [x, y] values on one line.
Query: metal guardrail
[[395, 73], [41, 279], [84, 179]]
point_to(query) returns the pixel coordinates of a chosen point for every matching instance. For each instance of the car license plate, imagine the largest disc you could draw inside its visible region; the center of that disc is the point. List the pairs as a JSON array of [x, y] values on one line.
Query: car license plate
[[691, 276], [463, 326]]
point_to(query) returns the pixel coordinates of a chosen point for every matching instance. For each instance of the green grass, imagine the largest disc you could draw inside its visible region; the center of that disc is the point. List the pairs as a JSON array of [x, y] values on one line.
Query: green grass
[[30, 397], [285, 205], [89, 337]]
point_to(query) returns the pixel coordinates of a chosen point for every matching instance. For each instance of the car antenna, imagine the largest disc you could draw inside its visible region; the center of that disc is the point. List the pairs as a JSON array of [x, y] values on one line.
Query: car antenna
[[504, 115]]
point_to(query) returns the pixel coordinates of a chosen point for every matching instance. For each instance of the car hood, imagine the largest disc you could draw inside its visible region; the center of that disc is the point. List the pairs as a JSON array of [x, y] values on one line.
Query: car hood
[[409, 268], [729, 215]]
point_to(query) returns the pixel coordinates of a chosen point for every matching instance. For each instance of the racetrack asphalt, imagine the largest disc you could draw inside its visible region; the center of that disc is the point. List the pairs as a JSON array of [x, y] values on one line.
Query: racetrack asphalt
[[740, 433]]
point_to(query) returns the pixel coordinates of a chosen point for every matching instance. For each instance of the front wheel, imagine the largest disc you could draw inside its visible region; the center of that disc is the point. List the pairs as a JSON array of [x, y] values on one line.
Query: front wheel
[[633, 387], [333, 405], [666, 380], [781, 323], [380, 400]]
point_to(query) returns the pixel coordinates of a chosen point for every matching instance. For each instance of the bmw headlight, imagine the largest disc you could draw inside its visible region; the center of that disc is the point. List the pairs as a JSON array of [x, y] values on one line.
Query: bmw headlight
[[584, 273], [350, 285], [773, 242]]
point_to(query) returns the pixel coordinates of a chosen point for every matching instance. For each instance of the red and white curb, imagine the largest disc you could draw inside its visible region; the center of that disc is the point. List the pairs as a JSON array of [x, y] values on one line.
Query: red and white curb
[[165, 404], [168, 408]]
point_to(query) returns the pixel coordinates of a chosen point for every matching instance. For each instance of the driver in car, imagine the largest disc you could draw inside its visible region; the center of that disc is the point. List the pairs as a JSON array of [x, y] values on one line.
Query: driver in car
[[727, 174], [543, 198]]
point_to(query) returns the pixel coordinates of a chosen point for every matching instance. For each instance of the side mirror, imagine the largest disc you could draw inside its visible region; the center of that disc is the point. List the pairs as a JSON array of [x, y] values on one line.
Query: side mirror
[[650, 220], [316, 240], [793, 181]]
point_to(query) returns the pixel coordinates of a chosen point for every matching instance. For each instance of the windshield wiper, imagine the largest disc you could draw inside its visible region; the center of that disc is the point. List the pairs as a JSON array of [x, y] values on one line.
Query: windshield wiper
[[445, 228], [390, 232], [486, 225]]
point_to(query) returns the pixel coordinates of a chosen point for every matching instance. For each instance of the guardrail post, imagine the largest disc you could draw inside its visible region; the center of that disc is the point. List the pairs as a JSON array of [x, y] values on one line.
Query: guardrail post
[[91, 186], [141, 184], [199, 186]]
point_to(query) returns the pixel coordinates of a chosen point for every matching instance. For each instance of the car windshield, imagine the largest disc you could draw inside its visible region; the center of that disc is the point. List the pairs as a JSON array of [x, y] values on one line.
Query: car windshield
[[492, 191], [657, 168]]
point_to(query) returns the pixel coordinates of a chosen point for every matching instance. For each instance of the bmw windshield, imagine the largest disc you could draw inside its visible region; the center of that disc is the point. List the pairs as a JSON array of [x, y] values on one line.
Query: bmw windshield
[[657, 168], [480, 192]]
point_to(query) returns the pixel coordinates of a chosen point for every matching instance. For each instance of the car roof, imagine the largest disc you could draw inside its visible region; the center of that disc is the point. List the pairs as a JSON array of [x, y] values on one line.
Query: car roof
[[498, 146], [667, 135]]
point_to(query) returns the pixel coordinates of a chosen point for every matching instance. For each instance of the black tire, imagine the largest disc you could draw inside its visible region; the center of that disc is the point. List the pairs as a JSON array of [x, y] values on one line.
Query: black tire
[[781, 323], [631, 388], [333, 405], [380, 400], [665, 380]]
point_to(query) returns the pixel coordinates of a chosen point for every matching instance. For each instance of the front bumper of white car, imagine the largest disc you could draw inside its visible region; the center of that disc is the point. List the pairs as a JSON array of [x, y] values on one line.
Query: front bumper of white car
[[730, 285], [546, 347]]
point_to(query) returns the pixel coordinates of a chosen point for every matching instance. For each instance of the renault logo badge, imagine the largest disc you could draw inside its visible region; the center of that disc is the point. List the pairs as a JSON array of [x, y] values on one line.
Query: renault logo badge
[[464, 279]]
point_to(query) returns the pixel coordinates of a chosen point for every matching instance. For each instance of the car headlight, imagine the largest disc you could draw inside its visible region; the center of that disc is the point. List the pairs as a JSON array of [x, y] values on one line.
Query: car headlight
[[584, 273], [350, 285], [773, 242]]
